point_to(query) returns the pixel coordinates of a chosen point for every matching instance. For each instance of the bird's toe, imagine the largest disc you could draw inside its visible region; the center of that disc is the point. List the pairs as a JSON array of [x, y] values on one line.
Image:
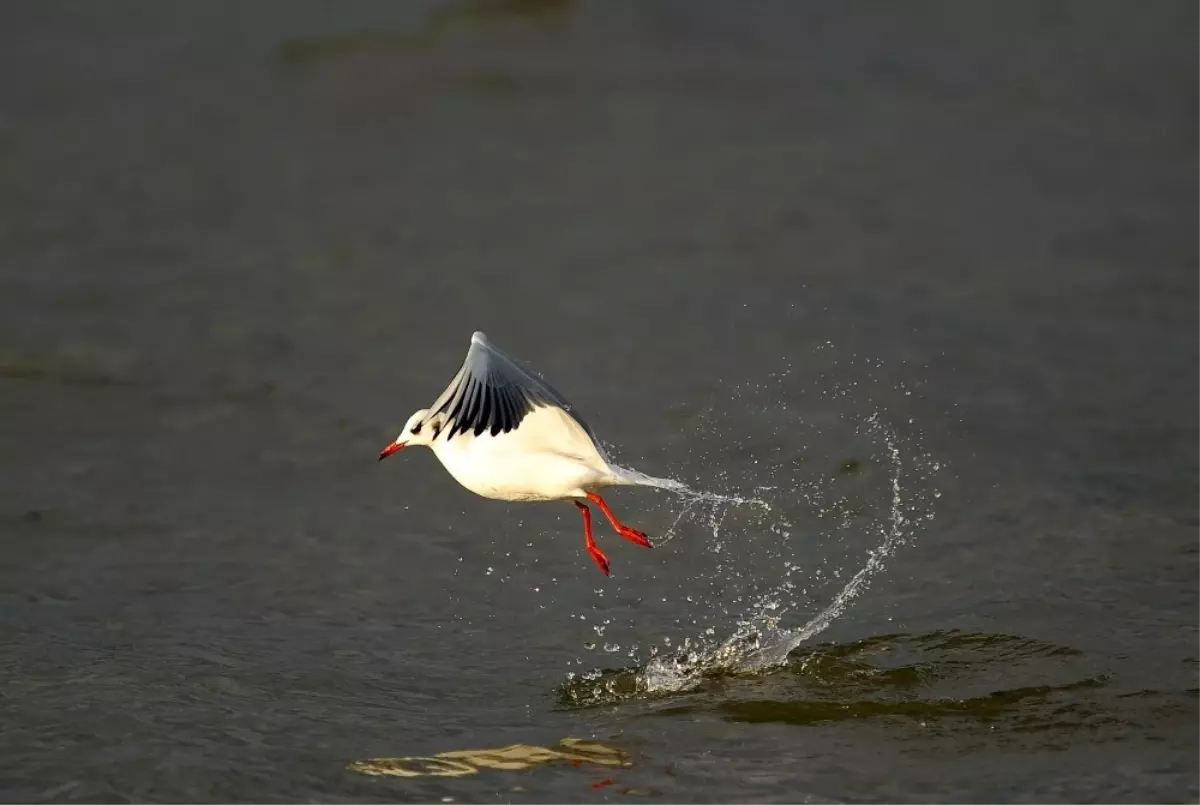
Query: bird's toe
[[601, 562], [636, 537]]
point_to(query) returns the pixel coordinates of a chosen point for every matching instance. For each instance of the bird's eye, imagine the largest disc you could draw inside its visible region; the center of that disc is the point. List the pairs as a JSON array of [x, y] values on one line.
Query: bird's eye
[[416, 429]]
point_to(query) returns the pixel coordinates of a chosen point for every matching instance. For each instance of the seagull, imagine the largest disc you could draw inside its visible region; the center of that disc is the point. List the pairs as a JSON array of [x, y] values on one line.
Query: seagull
[[506, 434]]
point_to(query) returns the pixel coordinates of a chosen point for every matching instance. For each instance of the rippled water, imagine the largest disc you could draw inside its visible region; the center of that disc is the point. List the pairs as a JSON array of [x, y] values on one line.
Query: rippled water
[[906, 296]]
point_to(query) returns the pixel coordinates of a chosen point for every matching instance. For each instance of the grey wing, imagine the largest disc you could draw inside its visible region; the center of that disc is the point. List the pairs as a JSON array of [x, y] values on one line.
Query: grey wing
[[492, 392]]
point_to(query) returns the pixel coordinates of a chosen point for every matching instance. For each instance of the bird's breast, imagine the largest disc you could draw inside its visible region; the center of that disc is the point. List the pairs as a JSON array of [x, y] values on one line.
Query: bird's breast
[[540, 460]]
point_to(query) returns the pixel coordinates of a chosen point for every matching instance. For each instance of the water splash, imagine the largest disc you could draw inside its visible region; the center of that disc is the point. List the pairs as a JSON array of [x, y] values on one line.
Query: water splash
[[710, 506], [944, 680], [759, 643], [642, 479], [834, 507]]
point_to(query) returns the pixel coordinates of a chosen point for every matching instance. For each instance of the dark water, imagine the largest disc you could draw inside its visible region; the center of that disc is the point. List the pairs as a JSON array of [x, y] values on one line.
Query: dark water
[[935, 263]]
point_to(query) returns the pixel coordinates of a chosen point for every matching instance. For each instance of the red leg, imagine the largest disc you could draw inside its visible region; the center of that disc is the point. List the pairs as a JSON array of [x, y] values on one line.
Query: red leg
[[597, 555], [631, 534]]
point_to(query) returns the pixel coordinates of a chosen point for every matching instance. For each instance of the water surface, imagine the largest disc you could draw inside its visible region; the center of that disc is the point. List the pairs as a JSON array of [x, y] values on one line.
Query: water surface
[[923, 280]]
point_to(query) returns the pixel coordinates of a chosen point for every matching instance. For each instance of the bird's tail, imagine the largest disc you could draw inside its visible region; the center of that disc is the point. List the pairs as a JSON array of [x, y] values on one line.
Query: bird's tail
[[628, 477]]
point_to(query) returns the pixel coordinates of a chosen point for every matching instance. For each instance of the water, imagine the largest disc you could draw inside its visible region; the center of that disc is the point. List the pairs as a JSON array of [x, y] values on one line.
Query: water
[[906, 298], [759, 643]]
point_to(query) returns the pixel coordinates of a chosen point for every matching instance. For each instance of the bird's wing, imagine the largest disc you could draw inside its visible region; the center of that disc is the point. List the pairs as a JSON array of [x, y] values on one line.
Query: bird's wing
[[492, 392]]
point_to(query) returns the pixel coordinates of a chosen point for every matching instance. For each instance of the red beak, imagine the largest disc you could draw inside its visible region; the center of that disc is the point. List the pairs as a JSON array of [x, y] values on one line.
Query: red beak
[[392, 448]]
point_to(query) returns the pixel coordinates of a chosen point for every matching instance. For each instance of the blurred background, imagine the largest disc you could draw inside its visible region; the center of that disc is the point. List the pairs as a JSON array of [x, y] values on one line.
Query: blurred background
[[816, 253]]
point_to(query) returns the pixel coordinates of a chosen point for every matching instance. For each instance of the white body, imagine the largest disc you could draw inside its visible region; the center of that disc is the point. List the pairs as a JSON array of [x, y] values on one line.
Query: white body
[[549, 457]]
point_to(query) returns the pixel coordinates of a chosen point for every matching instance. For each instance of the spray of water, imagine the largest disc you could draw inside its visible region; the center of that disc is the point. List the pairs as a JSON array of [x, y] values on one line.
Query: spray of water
[[760, 641]]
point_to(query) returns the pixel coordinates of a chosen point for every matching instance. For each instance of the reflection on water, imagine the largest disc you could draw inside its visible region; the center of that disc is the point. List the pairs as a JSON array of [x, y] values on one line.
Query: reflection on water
[[516, 757]]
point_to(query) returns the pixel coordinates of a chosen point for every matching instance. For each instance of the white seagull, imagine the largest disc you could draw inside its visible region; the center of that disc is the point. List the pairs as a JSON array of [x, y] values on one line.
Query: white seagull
[[505, 434]]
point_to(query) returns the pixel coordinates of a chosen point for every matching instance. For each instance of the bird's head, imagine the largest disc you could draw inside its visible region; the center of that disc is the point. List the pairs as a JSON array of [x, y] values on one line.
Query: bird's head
[[421, 429]]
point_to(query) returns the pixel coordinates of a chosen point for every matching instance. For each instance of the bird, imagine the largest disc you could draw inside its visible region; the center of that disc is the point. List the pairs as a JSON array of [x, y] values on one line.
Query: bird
[[504, 433]]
